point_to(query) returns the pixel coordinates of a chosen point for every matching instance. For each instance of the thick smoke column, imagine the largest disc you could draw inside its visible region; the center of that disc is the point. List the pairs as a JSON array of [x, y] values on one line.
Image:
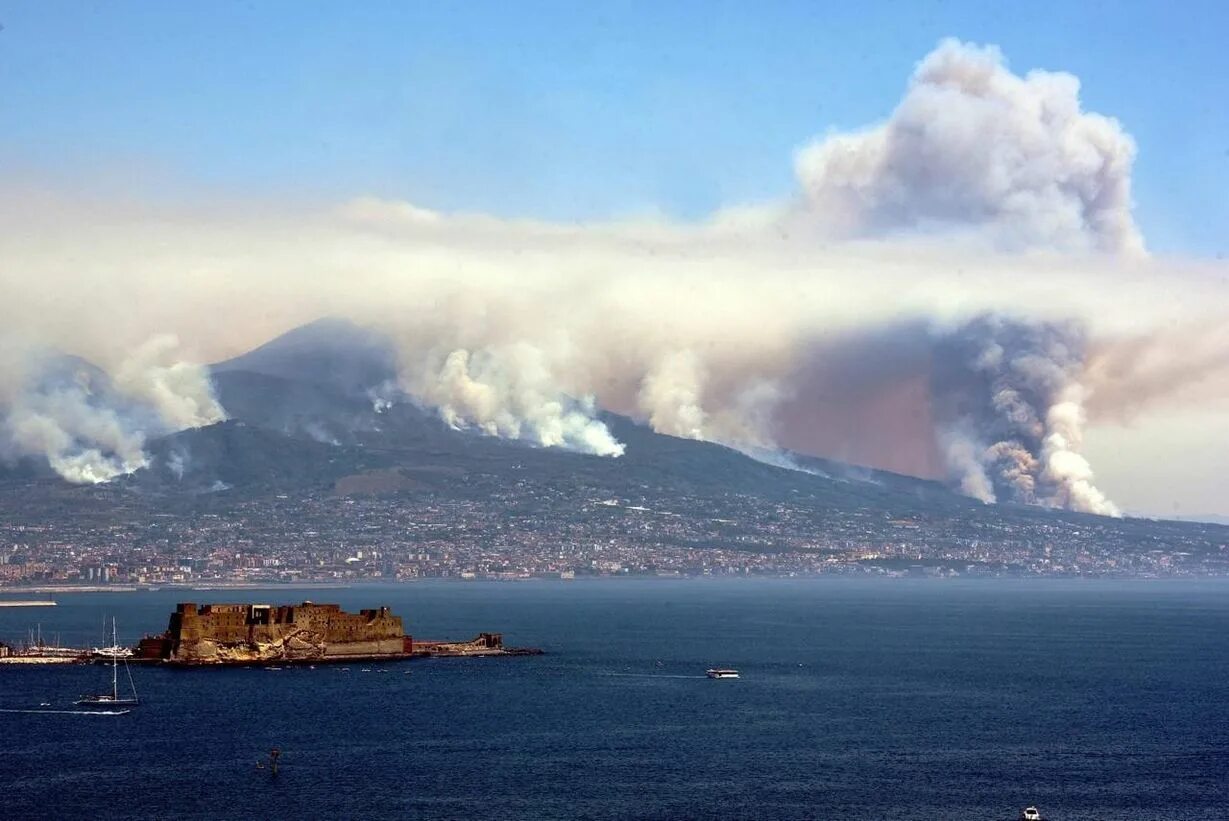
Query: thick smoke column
[[671, 395], [509, 391], [973, 147], [1010, 410], [999, 401], [91, 428], [83, 439], [179, 392], [753, 329]]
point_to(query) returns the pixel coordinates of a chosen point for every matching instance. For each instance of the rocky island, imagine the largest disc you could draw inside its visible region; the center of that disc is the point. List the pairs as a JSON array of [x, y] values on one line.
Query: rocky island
[[245, 634]]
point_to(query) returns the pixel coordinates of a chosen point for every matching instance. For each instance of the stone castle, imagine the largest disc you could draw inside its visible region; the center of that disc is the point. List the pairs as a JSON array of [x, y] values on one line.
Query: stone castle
[[239, 633]]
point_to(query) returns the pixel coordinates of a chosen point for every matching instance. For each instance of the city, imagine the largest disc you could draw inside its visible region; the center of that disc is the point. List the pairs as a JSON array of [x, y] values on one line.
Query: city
[[555, 530]]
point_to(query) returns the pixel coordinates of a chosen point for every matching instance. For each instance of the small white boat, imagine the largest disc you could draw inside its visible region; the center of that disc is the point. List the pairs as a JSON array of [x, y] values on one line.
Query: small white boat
[[721, 672], [42, 712], [1030, 814]]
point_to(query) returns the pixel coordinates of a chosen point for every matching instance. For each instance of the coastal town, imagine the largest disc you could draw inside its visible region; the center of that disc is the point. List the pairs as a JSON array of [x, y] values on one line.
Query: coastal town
[[116, 538]]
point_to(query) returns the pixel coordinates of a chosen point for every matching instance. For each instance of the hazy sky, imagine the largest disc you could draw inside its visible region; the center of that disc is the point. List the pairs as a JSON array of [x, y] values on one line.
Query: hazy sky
[[570, 110], [236, 119]]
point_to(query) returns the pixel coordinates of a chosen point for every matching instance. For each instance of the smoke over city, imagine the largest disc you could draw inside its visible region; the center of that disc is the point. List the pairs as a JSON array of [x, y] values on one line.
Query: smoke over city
[[958, 293]]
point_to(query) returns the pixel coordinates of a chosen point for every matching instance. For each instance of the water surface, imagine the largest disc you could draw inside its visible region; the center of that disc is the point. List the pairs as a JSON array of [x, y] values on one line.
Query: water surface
[[884, 699]]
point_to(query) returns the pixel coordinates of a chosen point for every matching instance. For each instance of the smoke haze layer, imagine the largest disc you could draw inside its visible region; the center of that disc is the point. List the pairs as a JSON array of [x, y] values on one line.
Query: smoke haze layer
[[955, 293]]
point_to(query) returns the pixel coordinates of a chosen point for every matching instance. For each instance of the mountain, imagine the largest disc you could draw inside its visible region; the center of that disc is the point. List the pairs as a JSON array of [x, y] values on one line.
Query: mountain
[[233, 454], [1206, 518], [316, 384], [309, 410], [315, 457], [302, 414], [332, 353]]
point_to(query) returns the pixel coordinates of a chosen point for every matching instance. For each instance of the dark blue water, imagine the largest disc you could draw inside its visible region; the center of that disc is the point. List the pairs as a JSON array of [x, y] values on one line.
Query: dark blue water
[[859, 700]]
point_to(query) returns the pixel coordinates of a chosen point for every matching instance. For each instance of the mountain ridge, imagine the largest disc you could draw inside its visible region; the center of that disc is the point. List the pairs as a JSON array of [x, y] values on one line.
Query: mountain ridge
[[316, 382]]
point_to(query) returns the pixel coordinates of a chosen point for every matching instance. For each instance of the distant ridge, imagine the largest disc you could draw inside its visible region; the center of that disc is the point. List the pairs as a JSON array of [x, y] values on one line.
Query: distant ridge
[[315, 382], [302, 416], [309, 456], [330, 351]]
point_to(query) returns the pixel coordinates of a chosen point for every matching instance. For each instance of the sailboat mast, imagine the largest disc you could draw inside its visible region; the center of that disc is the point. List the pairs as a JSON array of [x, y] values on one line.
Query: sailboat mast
[[114, 664], [131, 684]]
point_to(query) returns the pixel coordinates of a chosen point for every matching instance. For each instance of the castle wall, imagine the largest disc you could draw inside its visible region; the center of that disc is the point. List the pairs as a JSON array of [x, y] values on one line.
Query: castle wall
[[237, 632]]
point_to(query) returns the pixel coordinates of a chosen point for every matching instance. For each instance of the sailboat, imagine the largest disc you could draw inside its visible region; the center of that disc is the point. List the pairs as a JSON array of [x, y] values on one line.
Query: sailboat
[[112, 699]]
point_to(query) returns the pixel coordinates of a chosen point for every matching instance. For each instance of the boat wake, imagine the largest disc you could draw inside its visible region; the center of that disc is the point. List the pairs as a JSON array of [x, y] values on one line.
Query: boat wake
[[646, 675], [71, 712]]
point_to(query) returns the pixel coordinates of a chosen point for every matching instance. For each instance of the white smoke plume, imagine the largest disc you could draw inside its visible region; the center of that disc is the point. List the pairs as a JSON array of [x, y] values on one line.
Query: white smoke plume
[[671, 395], [739, 329], [90, 428], [83, 442], [509, 392], [966, 460], [177, 463], [384, 395], [1065, 468], [747, 420], [179, 392], [974, 147]]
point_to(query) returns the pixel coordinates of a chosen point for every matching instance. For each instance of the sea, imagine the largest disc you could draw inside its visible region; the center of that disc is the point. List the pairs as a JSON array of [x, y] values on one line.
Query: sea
[[858, 699]]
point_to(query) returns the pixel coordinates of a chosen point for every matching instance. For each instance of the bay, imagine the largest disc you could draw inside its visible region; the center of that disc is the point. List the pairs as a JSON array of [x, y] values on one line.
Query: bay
[[859, 699]]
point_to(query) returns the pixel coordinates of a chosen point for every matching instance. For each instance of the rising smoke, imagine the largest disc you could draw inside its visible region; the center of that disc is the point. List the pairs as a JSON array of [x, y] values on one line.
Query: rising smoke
[[670, 395], [902, 346], [995, 404], [91, 428], [510, 392], [973, 147], [1010, 413]]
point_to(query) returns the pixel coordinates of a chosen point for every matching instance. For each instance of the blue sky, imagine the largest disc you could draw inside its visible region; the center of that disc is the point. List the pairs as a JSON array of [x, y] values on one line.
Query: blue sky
[[568, 111]]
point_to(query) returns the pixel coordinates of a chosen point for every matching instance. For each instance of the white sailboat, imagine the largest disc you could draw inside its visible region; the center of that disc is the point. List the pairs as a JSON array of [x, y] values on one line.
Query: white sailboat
[[112, 699]]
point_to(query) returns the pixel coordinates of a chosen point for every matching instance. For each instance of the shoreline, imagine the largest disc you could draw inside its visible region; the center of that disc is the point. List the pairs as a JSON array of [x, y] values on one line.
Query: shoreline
[[823, 578], [153, 588]]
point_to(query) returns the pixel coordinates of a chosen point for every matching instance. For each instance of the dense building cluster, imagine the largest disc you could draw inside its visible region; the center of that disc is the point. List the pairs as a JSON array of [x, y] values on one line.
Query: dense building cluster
[[113, 536]]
